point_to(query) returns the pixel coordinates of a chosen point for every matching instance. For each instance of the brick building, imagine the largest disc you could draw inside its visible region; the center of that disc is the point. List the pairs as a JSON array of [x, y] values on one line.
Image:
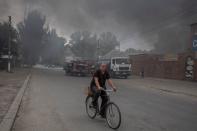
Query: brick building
[[181, 66], [164, 66]]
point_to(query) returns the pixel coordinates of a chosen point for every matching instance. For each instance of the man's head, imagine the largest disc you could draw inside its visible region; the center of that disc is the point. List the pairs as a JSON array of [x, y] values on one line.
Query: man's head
[[103, 67]]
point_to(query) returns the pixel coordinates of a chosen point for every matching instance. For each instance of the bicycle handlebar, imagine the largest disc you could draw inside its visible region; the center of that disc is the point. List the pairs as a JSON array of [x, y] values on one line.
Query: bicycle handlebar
[[109, 90]]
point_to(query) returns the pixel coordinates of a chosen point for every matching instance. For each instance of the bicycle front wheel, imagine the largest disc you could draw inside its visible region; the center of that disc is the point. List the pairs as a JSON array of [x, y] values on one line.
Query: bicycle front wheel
[[113, 116], [90, 109]]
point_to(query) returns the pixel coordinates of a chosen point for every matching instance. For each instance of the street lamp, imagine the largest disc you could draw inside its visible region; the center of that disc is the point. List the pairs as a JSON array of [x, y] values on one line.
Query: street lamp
[[9, 44], [98, 51]]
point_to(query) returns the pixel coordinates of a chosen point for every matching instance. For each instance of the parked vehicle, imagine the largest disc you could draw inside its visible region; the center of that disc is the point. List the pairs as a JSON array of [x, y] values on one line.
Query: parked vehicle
[[76, 68], [118, 66]]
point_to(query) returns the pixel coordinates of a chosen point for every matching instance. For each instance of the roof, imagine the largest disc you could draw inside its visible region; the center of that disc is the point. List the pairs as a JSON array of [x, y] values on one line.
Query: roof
[[193, 24], [114, 53]]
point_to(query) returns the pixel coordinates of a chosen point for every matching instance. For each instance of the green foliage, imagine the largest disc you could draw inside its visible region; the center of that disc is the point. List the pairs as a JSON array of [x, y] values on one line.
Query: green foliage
[[85, 44], [4, 38], [40, 42], [132, 51], [108, 42], [31, 32], [53, 48]]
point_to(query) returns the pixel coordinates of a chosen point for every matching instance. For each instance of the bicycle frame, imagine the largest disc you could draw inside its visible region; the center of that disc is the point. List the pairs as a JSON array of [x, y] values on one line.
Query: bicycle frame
[[109, 109], [108, 95]]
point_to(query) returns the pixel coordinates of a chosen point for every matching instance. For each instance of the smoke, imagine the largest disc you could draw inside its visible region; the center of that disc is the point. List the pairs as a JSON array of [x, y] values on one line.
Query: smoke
[[3, 9], [138, 24]]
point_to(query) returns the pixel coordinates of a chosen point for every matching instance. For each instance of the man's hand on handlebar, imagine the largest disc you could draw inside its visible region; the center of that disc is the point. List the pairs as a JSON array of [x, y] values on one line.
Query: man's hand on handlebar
[[99, 88], [114, 88]]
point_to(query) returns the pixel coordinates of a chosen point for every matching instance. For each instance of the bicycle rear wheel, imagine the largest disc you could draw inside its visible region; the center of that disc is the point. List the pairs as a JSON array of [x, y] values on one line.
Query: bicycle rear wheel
[[113, 115], [90, 110]]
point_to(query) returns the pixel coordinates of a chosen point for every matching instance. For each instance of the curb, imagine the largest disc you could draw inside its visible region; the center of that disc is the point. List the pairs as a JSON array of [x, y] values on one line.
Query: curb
[[175, 92], [9, 118]]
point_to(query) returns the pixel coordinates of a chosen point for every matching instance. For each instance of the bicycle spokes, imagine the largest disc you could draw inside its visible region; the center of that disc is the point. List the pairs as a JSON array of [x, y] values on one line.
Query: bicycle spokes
[[113, 116], [90, 109], [112, 112]]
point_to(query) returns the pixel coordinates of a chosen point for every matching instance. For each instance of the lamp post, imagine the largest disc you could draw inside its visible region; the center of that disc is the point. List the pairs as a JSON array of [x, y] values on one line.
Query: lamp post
[[9, 45], [98, 51]]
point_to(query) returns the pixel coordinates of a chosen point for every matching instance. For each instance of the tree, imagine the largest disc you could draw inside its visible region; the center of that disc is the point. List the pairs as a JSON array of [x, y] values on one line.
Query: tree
[[108, 42], [53, 48], [5, 31], [132, 51], [83, 44], [31, 32], [4, 37]]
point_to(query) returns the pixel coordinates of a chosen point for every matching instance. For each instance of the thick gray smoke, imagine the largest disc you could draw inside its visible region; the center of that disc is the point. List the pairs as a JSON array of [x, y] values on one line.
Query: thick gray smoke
[[162, 25]]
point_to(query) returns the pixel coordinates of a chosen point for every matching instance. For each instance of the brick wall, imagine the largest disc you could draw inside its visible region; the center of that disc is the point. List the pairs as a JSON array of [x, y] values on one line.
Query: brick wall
[[154, 66], [195, 71]]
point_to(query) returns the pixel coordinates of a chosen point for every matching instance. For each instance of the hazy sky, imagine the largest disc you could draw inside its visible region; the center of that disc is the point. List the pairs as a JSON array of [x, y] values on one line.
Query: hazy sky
[[135, 22]]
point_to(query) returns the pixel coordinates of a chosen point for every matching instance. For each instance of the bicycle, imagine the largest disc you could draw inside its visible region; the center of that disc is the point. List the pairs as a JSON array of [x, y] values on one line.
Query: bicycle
[[112, 111]]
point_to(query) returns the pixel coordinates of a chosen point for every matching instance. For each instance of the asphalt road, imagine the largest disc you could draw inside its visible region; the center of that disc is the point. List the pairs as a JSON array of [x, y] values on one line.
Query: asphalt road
[[55, 102]]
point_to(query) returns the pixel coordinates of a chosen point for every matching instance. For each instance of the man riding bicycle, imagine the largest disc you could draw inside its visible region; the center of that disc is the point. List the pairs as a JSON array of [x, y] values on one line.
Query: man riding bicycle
[[98, 82]]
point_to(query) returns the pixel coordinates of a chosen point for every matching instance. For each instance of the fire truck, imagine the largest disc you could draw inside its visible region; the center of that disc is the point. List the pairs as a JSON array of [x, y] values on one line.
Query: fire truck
[[76, 68]]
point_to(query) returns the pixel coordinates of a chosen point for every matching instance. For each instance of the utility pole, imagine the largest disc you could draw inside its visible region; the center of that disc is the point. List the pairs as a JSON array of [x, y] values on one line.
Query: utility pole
[[119, 46], [98, 51], [9, 44]]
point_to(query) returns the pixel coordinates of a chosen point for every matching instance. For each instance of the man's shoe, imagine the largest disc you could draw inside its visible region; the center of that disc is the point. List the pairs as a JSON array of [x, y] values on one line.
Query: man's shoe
[[102, 116], [94, 106]]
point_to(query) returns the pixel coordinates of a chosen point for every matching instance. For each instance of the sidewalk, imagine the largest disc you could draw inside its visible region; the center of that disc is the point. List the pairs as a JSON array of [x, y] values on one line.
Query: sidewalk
[[172, 86], [10, 84]]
